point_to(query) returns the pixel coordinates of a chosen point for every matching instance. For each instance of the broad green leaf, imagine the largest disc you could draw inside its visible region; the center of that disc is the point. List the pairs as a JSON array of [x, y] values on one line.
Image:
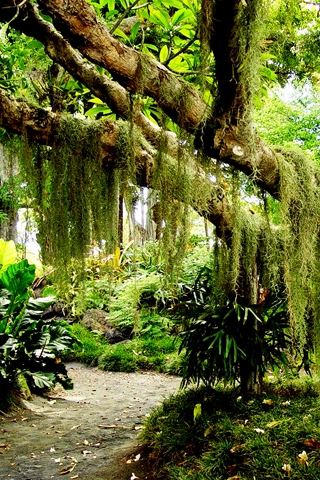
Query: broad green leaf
[[42, 380], [8, 254], [180, 15], [164, 53], [111, 13], [124, 3], [3, 33], [160, 17], [266, 56], [134, 31], [172, 3], [42, 302], [120, 33], [111, 5], [187, 32], [96, 100], [95, 110], [151, 47], [197, 412], [34, 44], [18, 277], [269, 74]]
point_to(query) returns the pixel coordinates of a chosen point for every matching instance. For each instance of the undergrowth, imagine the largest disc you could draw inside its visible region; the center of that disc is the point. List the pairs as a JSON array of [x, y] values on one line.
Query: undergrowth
[[140, 353], [213, 434]]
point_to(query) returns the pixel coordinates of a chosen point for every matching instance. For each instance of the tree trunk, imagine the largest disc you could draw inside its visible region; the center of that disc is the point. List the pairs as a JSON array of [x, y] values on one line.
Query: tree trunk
[[250, 375]]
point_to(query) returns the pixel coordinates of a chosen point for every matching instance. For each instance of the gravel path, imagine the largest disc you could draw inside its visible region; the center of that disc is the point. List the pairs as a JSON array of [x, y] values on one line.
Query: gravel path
[[88, 433]]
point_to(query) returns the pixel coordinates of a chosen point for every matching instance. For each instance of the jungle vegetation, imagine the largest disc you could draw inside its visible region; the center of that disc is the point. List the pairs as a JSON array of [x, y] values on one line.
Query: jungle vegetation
[[98, 98]]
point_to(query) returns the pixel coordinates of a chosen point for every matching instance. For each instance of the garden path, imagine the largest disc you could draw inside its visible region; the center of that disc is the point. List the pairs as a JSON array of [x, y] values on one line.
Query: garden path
[[88, 433]]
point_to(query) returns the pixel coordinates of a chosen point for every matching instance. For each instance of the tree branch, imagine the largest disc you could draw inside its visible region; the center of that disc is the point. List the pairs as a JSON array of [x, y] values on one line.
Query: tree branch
[[78, 23], [218, 139], [42, 126]]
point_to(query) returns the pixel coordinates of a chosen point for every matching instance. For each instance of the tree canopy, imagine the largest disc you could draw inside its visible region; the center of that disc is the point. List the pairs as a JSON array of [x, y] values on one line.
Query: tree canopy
[[111, 94]]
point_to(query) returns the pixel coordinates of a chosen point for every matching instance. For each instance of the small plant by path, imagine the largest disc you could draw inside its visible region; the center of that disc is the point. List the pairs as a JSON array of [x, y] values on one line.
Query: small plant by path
[[214, 434]]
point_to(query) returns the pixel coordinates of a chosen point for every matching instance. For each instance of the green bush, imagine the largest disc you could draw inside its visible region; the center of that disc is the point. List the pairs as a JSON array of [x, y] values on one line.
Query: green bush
[[231, 342]]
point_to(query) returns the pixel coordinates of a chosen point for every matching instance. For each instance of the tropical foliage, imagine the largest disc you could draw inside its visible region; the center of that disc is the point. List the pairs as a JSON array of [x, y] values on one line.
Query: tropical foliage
[[30, 343]]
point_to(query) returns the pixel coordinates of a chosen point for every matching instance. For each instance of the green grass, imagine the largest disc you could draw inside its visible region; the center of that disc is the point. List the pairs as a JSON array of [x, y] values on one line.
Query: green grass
[[140, 353], [92, 346], [225, 442]]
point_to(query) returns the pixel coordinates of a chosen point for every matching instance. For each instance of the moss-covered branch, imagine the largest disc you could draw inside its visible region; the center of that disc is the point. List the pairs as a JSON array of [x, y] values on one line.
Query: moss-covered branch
[[219, 139], [44, 127]]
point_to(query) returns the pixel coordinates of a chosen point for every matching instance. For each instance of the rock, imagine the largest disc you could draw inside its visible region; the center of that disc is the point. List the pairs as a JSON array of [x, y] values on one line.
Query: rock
[[114, 336], [97, 320]]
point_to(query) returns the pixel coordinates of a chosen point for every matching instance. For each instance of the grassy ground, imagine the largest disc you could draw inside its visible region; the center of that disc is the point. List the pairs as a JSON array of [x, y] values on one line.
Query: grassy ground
[[208, 434], [140, 353]]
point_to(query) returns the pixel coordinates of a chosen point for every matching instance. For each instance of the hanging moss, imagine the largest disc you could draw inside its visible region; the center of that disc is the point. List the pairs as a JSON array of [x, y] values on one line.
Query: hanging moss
[[300, 212], [75, 194]]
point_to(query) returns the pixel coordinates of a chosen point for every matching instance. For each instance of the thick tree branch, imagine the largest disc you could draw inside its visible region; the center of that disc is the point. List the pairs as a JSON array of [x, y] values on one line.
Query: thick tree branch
[[218, 139], [42, 126], [138, 73], [110, 92]]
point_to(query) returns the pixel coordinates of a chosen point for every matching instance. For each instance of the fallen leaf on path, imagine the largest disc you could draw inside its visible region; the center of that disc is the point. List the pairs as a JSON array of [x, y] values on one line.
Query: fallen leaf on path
[[312, 442], [208, 430], [85, 452], [73, 460], [57, 460], [112, 426], [52, 402], [74, 476], [236, 448], [133, 477], [75, 426], [275, 423], [5, 445], [66, 470], [85, 442], [52, 450]]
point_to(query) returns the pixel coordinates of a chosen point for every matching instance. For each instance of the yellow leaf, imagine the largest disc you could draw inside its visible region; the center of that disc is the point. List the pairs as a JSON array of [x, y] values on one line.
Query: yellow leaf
[[275, 423], [197, 411], [66, 470], [236, 448], [209, 430], [76, 426]]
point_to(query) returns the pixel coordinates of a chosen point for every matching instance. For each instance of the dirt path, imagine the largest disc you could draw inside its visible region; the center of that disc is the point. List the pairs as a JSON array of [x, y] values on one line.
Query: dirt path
[[89, 433]]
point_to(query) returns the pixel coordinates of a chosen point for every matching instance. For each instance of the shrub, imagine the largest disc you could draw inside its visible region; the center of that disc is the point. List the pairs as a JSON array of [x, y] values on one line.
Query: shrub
[[231, 342], [29, 343]]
